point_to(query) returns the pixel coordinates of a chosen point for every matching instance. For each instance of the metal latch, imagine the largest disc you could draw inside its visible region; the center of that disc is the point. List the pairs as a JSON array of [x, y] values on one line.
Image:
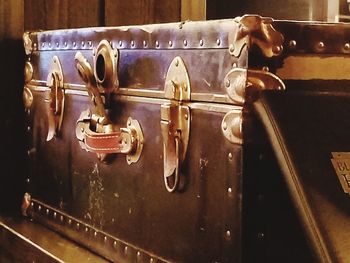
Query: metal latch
[[55, 98], [94, 130], [175, 122]]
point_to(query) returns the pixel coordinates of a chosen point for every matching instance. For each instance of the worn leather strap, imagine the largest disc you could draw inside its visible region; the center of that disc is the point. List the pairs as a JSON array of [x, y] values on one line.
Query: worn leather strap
[[103, 143]]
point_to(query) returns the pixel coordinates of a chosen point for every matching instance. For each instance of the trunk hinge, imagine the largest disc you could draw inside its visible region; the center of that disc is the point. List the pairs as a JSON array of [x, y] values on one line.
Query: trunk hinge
[[175, 122]]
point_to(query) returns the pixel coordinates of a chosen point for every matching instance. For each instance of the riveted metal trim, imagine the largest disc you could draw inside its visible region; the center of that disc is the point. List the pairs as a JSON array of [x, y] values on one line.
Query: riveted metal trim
[[314, 37], [102, 243], [190, 35]]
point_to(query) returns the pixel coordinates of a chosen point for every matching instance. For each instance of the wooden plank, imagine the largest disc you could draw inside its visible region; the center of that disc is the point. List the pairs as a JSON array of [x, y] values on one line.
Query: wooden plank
[[11, 19], [193, 10], [54, 14], [132, 12]]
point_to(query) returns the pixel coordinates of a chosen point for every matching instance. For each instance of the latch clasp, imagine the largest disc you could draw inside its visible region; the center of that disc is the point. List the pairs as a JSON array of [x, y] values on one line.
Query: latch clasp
[[55, 98], [175, 122], [94, 130]]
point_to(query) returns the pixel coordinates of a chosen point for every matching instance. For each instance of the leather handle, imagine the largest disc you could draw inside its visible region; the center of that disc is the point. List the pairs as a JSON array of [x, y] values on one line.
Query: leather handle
[[109, 140]]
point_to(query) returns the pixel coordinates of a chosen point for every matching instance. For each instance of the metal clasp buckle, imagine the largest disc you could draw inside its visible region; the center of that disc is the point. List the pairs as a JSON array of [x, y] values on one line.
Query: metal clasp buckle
[[175, 122]]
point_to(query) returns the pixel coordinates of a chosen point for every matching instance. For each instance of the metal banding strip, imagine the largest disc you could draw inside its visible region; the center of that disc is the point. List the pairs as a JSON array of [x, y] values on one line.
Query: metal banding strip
[[141, 95], [183, 35], [99, 242]]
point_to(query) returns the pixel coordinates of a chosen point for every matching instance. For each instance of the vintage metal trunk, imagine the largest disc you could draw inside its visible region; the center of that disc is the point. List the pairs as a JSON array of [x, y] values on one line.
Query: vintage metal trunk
[[136, 148], [144, 145]]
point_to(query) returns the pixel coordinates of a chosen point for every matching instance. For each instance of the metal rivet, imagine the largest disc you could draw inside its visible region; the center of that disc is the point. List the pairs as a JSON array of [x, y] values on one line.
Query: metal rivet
[[28, 180], [185, 42], [90, 43], [69, 221], [138, 254], [320, 45], [132, 43], [95, 234], [86, 229], [43, 44], [347, 46], [261, 235], [157, 43], [65, 44], [232, 48], [114, 244], [120, 43], [61, 218], [170, 43], [39, 208], [265, 68], [74, 44], [228, 234], [126, 250], [151, 260], [77, 226], [292, 44], [144, 43], [57, 44], [54, 215], [31, 204], [230, 156], [105, 239], [277, 49], [229, 190], [218, 41], [82, 43], [201, 42], [49, 44], [47, 211], [227, 83], [224, 126]]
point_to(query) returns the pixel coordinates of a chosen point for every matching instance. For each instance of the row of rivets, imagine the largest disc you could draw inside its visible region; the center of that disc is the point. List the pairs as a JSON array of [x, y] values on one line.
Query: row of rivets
[[126, 250], [319, 46], [132, 43]]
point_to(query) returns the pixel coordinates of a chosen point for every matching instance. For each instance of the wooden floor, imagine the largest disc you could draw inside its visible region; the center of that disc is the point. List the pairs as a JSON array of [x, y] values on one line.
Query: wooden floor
[[22, 240]]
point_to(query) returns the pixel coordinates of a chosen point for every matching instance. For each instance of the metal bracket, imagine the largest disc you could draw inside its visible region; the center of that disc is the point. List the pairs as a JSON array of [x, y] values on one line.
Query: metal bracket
[[175, 122], [106, 67], [55, 99], [244, 85], [231, 126], [28, 43], [95, 131], [254, 29]]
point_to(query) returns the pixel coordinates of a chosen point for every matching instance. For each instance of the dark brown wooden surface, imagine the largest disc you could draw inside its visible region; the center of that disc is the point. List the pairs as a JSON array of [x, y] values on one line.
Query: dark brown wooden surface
[[53, 14], [120, 12]]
